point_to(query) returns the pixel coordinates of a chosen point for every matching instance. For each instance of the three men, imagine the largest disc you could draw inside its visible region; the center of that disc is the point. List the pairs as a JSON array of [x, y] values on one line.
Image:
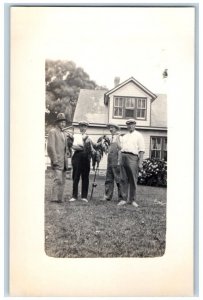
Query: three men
[[57, 151]]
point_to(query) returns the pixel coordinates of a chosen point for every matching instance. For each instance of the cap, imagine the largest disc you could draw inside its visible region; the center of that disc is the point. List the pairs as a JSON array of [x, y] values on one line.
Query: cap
[[114, 125], [130, 121], [84, 123]]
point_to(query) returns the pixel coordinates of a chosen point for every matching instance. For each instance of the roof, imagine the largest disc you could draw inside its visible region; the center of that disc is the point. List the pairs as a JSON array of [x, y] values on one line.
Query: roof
[[90, 107], [131, 79], [159, 111]]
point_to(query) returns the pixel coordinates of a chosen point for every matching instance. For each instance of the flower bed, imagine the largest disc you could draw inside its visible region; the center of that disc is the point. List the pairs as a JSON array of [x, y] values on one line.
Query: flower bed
[[154, 173]]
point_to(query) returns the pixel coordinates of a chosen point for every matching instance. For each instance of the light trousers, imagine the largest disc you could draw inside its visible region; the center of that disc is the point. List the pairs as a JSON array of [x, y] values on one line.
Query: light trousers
[[129, 176], [58, 185]]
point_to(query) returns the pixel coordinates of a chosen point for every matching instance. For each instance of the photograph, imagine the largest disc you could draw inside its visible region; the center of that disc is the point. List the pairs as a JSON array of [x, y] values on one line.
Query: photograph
[[102, 102], [115, 137]]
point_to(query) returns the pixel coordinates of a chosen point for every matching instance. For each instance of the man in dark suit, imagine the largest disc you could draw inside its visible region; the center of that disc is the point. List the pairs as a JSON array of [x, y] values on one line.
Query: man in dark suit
[[83, 149]]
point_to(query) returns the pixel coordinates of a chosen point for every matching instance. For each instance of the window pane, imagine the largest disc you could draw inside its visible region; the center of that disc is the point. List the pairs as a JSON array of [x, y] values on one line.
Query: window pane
[[129, 113], [165, 144], [143, 113], [139, 103], [143, 103], [120, 102], [129, 103], [165, 155]]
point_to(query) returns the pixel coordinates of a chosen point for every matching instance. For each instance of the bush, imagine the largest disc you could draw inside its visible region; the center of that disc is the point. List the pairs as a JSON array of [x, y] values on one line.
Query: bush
[[154, 173]]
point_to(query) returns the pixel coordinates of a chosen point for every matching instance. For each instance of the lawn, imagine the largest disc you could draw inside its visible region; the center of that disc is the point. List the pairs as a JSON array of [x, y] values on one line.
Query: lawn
[[103, 229]]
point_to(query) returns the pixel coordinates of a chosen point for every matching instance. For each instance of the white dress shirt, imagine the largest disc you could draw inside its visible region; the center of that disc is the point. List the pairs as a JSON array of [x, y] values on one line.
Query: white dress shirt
[[132, 142], [78, 141]]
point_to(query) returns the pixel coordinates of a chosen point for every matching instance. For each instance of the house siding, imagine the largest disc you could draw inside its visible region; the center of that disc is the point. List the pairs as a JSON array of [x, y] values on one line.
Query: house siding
[[129, 90]]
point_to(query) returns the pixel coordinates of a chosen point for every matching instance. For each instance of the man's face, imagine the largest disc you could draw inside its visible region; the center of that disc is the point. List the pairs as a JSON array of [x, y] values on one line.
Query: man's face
[[112, 129], [61, 124], [83, 128], [131, 127]]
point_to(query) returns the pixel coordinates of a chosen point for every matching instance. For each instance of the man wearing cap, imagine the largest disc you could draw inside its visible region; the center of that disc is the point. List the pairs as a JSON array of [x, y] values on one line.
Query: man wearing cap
[[56, 149], [113, 169], [82, 146], [132, 151]]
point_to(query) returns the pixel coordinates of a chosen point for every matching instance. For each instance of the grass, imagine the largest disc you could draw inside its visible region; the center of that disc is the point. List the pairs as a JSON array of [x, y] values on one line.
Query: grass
[[103, 229]]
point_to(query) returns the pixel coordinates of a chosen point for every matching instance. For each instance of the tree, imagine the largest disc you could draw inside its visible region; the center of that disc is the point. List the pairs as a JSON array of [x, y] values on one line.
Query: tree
[[63, 83]]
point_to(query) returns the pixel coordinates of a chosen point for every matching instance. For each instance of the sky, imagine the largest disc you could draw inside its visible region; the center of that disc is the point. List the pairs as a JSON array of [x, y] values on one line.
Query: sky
[[110, 42]]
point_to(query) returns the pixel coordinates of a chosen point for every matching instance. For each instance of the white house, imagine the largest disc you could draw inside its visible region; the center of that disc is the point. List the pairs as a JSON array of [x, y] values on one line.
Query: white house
[[129, 99]]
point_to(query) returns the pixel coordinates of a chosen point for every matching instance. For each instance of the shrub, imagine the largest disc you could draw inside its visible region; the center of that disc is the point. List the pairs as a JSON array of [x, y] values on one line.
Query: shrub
[[154, 173]]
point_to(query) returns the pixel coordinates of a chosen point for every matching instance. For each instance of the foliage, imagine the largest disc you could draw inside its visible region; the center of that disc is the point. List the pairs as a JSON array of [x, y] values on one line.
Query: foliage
[[63, 82], [154, 173]]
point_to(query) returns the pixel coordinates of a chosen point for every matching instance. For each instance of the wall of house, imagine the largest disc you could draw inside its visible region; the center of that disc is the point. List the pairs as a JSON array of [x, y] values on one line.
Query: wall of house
[[97, 132], [147, 134], [130, 90]]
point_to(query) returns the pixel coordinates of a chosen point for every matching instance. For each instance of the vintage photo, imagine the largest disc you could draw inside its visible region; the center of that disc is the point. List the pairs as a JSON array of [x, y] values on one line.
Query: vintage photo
[[101, 190], [106, 166]]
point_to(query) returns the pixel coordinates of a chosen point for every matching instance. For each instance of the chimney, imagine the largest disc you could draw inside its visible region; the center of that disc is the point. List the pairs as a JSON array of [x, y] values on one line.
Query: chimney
[[116, 81]]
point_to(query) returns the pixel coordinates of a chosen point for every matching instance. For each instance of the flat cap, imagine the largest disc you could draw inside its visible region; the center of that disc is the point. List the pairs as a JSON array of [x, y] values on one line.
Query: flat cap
[[83, 123], [130, 121]]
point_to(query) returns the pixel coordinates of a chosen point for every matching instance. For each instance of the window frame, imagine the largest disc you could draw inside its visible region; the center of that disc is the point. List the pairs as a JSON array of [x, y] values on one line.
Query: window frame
[[162, 150], [124, 99], [121, 107]]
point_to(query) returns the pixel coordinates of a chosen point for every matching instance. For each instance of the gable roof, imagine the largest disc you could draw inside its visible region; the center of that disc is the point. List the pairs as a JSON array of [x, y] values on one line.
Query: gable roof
[[131, 79], [90, 107], [159, 111]]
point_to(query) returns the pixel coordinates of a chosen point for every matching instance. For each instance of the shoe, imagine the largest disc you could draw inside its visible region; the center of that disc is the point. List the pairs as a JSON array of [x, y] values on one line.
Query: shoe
[[84, 199], [122, 202], [105, 199], [135, 204], [72, 199]]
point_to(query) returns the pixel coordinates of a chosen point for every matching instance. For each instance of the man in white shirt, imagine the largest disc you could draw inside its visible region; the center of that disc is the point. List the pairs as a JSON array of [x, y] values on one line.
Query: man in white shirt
[[81, 162], [132, 151]]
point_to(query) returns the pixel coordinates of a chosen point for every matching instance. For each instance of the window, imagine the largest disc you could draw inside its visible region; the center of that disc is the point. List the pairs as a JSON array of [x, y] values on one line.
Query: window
[[130, 107], [141, 109], [159, 148], [118, 107]]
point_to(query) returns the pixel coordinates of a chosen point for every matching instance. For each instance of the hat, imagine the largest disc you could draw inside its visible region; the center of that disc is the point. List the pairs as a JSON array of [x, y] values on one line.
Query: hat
[[61, 117], [83, 123], [114, 125], [130, 121]]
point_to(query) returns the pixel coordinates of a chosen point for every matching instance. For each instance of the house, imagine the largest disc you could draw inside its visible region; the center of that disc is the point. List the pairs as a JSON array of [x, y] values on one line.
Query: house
[[129, 99]]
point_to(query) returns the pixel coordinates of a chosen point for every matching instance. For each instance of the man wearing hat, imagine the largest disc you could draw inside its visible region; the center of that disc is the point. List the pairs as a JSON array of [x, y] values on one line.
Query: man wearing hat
[[132, 151], [83, 147], [57, 151], [113, 169]]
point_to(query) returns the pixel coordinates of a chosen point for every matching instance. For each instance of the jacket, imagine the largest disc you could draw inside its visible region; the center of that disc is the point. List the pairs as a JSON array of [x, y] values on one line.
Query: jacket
[[57, 149]]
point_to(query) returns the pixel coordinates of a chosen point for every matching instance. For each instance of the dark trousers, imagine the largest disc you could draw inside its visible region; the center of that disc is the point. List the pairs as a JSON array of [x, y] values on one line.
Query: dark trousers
[[81, 168], [112, 174], [129, 176]]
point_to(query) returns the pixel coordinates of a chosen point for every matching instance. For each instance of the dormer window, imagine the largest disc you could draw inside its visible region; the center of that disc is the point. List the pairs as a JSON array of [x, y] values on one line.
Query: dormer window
[[130, 107]]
